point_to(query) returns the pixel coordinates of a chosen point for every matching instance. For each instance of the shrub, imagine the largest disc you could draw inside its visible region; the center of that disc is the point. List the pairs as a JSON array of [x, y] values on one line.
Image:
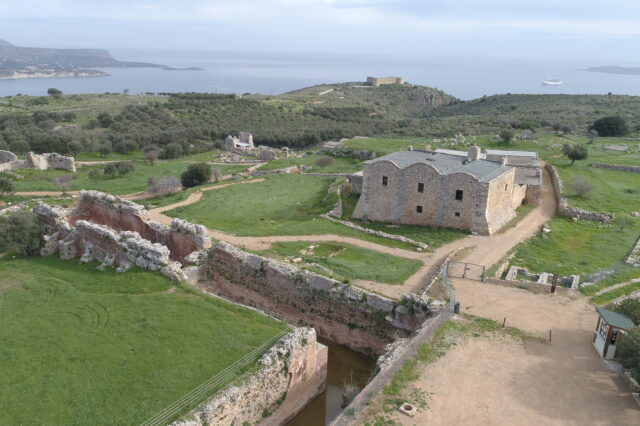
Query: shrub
[[196, 174], [62, 182], [151, 156], [54, 93], [6, 186], [575, 151], [164, 186], [324, 162], [172, 150], [95, 174], [630, 308], [611, 126], [581, 187], [506, 136], [20, 232], [120, 168], [629, 351]]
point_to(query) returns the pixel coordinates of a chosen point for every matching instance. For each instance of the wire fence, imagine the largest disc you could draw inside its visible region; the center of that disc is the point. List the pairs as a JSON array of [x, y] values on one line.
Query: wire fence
[[216, 382]]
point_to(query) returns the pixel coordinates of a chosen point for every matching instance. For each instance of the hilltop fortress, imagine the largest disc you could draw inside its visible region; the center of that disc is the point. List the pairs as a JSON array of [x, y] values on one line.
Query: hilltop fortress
[[383, 81]]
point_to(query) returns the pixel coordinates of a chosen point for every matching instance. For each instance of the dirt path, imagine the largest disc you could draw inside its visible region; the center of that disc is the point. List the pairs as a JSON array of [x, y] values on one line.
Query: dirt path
[[501, 381], [485, 250], [613, 287]]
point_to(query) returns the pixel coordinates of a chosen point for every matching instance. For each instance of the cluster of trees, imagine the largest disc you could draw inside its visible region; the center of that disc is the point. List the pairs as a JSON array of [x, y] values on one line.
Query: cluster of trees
[[196, 174], [629, 348], [20, 232]]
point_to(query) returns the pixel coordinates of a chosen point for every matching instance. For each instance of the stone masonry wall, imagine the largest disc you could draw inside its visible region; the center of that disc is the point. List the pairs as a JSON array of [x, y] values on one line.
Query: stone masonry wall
[[181, 238], [484, 207], [565, 209], [339, 312], [290, 375], [50, 160], [618, 167]]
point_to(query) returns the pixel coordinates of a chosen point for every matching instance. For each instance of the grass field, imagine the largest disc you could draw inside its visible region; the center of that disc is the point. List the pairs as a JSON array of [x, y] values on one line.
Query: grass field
[[331, 165], [285, 204], [348, 262], [136, 181], [84, 347]]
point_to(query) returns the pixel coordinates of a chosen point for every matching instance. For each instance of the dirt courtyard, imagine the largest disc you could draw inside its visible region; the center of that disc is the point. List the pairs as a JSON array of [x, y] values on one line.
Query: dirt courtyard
[[498, 380]]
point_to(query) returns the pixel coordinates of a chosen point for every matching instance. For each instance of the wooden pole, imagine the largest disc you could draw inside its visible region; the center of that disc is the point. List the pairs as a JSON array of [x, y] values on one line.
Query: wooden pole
[[504, 321], [554, 283], [549, 335]]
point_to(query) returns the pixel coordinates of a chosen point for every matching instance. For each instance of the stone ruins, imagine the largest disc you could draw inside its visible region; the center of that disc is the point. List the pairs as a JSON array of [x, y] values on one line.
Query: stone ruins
[[119, 233], [9, 161], [382, 81], [50, 160], [243, 142], [445, 189]]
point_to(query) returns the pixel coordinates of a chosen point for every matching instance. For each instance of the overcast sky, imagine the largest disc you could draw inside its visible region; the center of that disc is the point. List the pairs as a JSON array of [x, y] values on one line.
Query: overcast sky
[[576, 29]]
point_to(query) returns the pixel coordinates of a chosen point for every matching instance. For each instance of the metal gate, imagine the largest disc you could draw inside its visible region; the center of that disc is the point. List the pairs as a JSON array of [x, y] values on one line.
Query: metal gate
[[466, 270]]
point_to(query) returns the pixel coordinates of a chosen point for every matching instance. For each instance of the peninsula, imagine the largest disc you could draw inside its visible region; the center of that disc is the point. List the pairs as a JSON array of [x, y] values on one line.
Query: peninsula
[[33, 62]]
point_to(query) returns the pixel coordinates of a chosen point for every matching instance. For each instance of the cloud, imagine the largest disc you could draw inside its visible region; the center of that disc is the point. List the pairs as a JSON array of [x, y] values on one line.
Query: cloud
[[344, 24]]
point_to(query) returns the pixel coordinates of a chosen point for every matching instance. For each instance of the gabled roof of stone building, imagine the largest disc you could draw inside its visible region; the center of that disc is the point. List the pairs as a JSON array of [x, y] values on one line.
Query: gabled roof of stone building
[[446, 164]]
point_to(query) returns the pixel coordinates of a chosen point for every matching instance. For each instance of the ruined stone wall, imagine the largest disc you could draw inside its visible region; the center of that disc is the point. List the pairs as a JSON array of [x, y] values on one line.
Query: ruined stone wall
[[266, 155], [618, 167], [93, 242], [50, 160], [484, 208], [181, 238], [7, 157], [565, 209], [519, 195], [339, 312], [290, 375]]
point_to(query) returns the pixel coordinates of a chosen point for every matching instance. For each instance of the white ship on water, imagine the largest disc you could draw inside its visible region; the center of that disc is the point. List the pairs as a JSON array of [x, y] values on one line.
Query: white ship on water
[[552, 82]]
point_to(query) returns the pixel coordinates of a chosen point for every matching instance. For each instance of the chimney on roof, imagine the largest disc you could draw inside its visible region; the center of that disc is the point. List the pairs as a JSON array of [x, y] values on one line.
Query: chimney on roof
[[474, 153]]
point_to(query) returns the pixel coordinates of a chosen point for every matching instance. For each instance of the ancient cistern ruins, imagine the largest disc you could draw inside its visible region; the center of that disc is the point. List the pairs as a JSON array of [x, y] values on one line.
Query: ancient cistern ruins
[[293, 372]]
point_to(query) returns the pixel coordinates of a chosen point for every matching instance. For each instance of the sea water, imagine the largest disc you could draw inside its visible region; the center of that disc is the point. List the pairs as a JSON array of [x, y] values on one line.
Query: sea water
[[275, 73]]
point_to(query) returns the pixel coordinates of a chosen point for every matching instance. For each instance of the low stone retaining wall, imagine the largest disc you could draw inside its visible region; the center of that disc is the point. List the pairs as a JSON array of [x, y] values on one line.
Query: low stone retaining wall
[[535, 287], [347, 315], [572, 281], [290, 375], [634, 255], [565, 209], [292, 169], [617, 167], [351, 225]]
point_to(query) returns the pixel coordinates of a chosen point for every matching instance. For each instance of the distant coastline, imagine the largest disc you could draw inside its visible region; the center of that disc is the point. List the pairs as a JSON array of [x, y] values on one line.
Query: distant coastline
[[23, 74], [610, 69]]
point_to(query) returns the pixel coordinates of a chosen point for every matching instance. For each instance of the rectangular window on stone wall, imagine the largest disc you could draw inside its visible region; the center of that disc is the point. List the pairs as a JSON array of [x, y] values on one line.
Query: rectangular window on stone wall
[[420, 187], [457, 214], [505, 187], [459, 194], [418, 209], [385, 180]]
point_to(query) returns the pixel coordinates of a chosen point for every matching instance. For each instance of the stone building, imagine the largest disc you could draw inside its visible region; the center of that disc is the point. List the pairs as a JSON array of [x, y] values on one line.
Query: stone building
[[440, 190], [244, 141], [383, 81]]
